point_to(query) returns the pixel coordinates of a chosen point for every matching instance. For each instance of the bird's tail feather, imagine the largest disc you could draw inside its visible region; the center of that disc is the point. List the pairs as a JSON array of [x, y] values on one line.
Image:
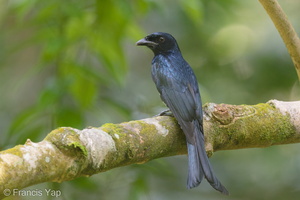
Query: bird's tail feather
[[199, 165], [196, 173]]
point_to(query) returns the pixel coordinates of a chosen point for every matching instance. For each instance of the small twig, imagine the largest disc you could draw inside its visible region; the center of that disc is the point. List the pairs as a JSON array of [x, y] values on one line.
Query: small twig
[[285, 29]]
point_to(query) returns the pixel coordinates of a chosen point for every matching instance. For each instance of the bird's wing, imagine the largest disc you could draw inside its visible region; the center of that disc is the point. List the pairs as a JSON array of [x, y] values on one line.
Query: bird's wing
[[183, 99]]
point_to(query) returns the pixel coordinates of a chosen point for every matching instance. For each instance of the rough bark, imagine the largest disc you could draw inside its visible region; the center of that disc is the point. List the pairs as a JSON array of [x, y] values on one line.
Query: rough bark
[[67, 153]]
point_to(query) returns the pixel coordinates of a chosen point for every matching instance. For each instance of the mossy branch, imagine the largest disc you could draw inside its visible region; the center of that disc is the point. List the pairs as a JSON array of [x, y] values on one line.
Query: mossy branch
[[285, 29], [67, 153]]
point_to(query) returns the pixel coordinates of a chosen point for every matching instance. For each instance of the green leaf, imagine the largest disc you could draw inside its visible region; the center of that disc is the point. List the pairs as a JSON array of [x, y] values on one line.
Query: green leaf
[[69, 116], [193, 9], [22, 120], [139, 187], [84, 90], [51, 94]]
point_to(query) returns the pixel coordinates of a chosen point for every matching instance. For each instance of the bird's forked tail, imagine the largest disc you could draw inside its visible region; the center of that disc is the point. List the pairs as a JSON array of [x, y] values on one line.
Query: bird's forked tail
[[199, 165]]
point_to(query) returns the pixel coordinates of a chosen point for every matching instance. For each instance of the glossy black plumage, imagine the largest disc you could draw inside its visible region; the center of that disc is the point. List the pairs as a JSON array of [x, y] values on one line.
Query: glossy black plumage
[[178, 88]]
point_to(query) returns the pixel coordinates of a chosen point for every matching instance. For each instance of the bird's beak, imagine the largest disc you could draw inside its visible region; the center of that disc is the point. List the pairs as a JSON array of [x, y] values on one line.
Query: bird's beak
[[144, 42]]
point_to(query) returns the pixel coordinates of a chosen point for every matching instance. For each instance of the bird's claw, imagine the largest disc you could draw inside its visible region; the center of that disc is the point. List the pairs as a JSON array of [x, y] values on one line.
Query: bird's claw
[[165, 113]]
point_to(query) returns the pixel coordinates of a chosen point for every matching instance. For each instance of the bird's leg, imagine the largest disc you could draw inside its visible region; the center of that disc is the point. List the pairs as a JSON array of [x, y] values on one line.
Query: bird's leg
[[165, 113]]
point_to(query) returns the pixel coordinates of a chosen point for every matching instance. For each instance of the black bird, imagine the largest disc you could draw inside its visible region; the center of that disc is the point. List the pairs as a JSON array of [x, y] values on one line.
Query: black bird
[[178, 88]]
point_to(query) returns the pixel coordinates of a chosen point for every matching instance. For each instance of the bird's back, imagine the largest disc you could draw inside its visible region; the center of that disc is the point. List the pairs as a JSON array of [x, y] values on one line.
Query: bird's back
[[177, 85]]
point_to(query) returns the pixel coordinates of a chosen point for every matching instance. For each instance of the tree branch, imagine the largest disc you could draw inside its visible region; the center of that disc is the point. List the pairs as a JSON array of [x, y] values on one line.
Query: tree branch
[[285, 29], [67, 153]]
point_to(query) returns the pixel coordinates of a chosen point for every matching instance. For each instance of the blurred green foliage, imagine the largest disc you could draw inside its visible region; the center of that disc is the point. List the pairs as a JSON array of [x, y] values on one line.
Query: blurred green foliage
[[74, 63], [79, 47]]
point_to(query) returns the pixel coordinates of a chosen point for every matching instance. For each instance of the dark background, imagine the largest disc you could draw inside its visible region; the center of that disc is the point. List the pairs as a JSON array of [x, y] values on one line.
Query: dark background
[[75, 63]]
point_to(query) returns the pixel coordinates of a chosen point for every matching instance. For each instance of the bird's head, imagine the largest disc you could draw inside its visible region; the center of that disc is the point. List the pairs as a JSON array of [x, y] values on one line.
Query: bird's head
[[159, 43]]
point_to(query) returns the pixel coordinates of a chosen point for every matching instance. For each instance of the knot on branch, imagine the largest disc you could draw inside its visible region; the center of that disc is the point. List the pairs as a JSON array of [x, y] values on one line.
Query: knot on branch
[[226, 114]]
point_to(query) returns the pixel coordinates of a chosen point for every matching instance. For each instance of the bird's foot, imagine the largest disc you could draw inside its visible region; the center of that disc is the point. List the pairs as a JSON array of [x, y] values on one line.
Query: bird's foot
[[165, 113]]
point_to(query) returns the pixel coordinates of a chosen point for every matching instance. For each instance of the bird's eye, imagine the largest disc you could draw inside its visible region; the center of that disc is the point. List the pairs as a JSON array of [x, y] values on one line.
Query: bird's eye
[[161, 39]]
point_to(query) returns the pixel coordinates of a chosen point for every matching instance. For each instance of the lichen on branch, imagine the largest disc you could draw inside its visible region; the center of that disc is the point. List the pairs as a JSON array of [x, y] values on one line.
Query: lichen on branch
[[67, 153]]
